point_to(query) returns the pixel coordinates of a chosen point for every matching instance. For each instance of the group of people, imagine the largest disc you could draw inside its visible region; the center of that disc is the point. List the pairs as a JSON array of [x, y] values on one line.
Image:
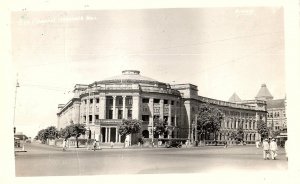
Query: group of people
[[269, 149]]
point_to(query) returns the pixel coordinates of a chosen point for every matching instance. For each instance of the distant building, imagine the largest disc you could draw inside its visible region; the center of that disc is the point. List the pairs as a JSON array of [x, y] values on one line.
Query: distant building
[[276, 117], [102, 105]]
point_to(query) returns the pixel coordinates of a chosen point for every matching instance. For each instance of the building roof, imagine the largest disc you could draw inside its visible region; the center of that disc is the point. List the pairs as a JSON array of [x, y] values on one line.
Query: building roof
[[234, 98], [130, 76], [278, 103], [264, 93]]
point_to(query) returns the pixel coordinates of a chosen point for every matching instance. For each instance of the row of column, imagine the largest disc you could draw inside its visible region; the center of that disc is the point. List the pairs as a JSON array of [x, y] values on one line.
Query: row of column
[[102, 108]]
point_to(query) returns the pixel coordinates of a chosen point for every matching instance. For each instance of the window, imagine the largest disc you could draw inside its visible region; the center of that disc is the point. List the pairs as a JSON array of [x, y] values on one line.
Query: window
[[166, 118], [166, 101], [84, 118], [129, 114], [172, 102], [120, 101], [84, 101], [156, 100], [145, 100], [145, 118], [120, 114], [91, 101], [172, 119], [97, 100], [110, 101], [96, 116], [90, 118], [129, 101], [110, 114]]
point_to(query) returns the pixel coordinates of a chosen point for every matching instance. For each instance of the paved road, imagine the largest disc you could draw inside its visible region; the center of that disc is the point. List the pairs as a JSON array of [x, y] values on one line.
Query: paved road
[[43, 160]]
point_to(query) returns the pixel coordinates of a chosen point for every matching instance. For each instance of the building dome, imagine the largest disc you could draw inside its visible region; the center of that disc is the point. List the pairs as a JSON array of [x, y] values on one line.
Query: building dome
[[264, 93], [129, 76]]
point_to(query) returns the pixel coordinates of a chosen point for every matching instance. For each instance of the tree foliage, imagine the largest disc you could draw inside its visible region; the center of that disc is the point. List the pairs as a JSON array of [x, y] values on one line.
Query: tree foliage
[[209, 119], [160, 127], [73, 130], [48, 133], [240, 133], [130, 126], [262, 129]]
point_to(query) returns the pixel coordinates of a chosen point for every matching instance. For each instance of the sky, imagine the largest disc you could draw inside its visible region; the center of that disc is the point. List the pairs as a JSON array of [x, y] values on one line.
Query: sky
[[221, 50]]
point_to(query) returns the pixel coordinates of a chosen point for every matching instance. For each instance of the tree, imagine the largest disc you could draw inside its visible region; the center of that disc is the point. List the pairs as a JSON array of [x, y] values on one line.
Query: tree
[[160, 127], [262, 129], [209, 119], [73, 130], [52, 132], [130, 126], [240, 133]]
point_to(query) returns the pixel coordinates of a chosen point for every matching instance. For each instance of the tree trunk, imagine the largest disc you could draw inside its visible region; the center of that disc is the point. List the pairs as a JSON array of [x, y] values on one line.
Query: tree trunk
[[77, 142]]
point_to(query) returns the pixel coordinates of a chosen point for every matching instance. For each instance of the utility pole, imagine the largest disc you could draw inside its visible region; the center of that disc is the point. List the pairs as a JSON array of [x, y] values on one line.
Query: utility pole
[[17, 85]]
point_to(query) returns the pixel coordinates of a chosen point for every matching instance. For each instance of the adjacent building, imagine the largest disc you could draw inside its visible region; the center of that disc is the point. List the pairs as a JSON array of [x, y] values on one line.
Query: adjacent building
[[276, 116], [103, 104]]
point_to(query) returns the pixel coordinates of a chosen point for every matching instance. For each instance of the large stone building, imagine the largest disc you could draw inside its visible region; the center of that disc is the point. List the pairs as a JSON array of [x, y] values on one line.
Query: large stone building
[[276, 117], [103, 104]]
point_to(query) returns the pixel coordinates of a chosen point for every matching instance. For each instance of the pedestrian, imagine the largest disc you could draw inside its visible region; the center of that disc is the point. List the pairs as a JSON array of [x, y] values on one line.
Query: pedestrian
[[257, 143], [225, 144], [112, 144], [286, 149], [273, 149], [64, 145], [266, 147], [95, 144]]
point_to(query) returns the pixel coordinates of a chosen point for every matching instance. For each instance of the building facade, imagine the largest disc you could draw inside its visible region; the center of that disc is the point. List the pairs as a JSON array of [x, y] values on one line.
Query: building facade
[[102, 105], [276, 116]]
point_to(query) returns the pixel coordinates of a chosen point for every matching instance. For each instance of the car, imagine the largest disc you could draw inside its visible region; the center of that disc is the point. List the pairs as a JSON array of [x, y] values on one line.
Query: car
[[173, 144]]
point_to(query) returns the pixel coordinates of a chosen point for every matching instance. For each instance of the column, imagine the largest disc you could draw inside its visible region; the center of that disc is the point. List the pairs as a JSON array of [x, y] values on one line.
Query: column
[[93, 110], [136, 106], [161, 109], [124, 108], [108, 139], [114, 107], [170, 114], [117, 132], [151, 117], [106, 134], [102, 106]]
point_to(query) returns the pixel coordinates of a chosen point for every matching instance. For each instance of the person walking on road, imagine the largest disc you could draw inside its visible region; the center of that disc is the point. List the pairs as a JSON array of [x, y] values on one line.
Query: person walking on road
[[257, 143], [64, 145], [266, 148], [95, 145], [273, 149]]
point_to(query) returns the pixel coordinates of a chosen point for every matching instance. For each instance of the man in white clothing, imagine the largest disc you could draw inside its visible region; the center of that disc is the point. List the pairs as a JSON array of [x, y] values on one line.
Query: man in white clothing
[[266, 147], [273, 149]]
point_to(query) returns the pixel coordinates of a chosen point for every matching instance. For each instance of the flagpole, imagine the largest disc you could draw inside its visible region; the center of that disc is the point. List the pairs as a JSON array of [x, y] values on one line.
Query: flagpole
[[17, 85]]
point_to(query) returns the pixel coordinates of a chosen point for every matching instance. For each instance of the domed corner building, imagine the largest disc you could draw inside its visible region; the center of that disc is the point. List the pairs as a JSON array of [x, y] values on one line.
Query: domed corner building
[[102, 105]]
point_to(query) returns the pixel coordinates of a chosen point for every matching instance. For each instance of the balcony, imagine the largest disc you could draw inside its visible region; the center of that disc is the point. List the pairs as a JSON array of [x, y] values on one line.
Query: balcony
[[108, 122]]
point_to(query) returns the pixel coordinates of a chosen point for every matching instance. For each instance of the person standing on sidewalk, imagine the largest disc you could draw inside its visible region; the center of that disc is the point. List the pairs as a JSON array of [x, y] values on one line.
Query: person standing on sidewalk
[[273, 149], [266, 148], [257, 143]]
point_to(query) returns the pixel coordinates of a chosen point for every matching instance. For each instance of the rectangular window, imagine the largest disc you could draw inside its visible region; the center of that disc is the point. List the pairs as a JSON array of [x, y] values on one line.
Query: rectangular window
[[166, 101], [120, 101], [172, 119], [84, 101], [145, 118], [129, 114], [120, 114], [110, 101], [91, 101], [96, 116], [129, 101], [97, 100], [145, 100], [90, 118], [156, 100], [110, 114], [172, 102]]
